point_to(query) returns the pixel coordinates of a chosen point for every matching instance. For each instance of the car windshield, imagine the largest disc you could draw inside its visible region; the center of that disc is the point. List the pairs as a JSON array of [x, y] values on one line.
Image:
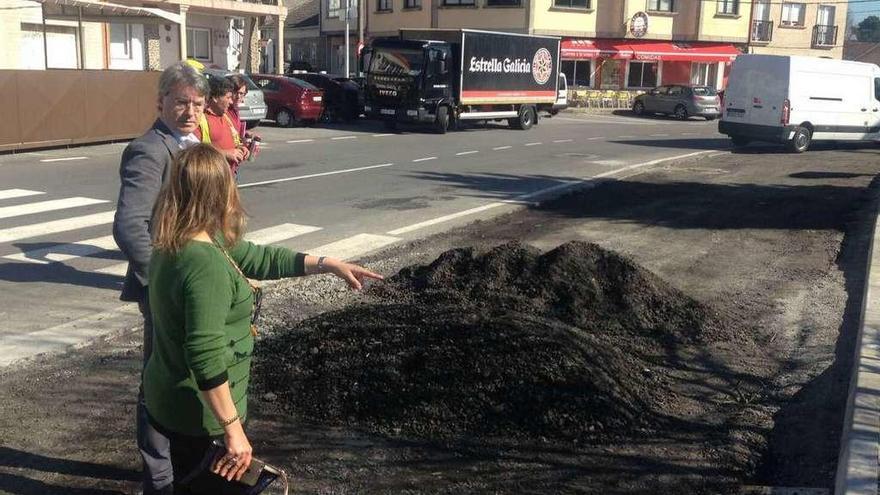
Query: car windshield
[[704, 91], [249, 82], [391, 62], [301, 83]]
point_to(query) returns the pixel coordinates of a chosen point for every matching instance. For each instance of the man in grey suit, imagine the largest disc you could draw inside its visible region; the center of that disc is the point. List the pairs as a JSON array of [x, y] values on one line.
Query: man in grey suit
[[146, 162]]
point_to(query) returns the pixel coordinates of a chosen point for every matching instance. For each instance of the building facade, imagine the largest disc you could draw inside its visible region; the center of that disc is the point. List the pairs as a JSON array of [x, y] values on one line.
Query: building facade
[[798, 28], [134, 35]]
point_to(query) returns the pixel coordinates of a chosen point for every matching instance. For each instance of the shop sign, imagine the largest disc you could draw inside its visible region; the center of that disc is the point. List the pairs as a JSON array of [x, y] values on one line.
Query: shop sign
[[638, 25]]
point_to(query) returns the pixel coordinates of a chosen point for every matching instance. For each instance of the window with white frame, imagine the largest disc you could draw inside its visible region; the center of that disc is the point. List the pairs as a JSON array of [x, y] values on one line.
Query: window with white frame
[[454, 3], [661, 5], [384, 6], [333, 8], [120, 41], [412, 4], [793, 14], [730, 7], [704, 74], [577, 4], [642, 75], [198, 43]]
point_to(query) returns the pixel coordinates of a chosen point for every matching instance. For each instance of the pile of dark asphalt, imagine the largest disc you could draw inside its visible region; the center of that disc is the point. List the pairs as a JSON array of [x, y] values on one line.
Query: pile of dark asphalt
[[510, 343]]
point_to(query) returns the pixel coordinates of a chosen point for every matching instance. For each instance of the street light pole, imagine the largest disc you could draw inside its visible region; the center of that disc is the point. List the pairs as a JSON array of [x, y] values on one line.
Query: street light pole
[[347, 18]]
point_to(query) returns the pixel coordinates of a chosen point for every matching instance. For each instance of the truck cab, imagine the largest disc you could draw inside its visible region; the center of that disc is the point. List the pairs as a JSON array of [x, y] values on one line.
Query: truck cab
[[407, 80]]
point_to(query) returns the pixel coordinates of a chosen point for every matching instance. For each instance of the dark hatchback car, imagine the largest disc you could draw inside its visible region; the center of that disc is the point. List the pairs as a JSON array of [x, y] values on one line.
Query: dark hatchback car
[[342, 99], [679, 100]]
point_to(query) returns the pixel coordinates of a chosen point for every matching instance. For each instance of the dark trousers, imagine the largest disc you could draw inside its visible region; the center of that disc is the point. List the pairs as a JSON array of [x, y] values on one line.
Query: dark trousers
[[155, 447]]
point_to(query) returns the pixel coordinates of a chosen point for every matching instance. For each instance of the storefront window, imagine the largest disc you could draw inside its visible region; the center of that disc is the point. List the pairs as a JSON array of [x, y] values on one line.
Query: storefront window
[[704, 74], [577, 72], [642, 75], [612, 74]]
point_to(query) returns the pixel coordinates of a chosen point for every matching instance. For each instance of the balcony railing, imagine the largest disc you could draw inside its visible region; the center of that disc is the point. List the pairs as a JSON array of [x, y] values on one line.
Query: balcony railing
[[762, 31], [824, 35]]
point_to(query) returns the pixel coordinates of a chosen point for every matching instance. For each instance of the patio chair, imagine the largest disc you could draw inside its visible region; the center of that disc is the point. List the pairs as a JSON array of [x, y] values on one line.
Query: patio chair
[[624, 99], [609, 98], [594, 99]]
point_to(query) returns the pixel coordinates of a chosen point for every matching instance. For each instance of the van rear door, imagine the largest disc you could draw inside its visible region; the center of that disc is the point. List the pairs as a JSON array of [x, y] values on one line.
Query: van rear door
[[757, 90]]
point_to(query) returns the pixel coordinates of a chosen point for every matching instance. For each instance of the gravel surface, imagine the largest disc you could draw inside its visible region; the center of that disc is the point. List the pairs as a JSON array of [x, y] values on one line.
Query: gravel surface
[[767, 250]]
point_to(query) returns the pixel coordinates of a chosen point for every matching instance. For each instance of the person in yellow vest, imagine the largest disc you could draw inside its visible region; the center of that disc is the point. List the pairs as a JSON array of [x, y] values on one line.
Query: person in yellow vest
[[217, 128]]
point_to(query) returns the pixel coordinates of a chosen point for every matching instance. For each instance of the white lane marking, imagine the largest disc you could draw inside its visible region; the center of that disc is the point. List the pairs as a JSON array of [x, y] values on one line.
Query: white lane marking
[[524, 197], [44, 206], [55, 226], [295, 141], [47, 160], [610, 163], [118, 269], [595, 138], [718, 154], [311, 176], [688, 133], [659, 135], [72, 333], [354, 246], [66, 251], [383, 135], [534, 144], [18, 193], [499, 148], [427, 158], [343, 137], [278, 233], [563, 140], [624, 137], [466, 153]]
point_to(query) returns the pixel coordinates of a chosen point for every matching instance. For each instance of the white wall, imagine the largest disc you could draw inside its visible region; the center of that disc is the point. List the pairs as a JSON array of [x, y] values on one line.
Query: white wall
[[219, 39], [169, 51]]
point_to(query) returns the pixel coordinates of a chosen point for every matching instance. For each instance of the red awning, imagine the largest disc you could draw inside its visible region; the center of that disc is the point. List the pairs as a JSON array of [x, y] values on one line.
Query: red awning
[[573, 49], [580, 49], [685, 52]]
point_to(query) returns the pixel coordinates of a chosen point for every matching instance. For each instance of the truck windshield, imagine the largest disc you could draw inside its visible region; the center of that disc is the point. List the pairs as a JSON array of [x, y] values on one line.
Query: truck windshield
[[391, 62]]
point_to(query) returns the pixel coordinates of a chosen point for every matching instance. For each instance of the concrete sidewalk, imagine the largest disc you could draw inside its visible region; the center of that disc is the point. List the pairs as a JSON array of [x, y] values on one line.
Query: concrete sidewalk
[[858, 467]]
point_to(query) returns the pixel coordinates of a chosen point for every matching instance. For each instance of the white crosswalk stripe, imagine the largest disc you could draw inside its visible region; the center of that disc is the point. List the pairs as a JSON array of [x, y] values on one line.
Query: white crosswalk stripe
[[55, 226], [46, 206], [64, 252], [354, 246], [17, 193], [269, 235]]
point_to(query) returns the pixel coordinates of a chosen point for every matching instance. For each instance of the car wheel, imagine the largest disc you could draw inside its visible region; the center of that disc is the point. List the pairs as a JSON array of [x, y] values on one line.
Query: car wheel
[[800, 141], [739, 141], [327, 116], [441, 121], [285, 118], [639, 108], [681, 112], [710, 118]]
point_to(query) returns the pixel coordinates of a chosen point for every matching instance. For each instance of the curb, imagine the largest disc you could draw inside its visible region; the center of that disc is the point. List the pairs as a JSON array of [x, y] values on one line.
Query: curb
[[858, 465]]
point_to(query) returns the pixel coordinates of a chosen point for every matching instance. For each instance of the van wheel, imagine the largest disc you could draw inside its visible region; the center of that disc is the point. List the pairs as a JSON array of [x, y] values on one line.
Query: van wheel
[[525, 120], [285, 118], [739, 141], [441, 121], [800, 141], [681, 112]]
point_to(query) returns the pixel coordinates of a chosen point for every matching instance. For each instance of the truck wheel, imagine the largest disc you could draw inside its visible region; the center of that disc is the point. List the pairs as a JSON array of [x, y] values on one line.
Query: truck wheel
[[526, 118], [739, 141], [800, 141], [441, 121]]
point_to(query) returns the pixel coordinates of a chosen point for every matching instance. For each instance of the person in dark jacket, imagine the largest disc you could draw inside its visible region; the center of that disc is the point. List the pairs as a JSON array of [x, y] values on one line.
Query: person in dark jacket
[[204, 306], [145, 165]]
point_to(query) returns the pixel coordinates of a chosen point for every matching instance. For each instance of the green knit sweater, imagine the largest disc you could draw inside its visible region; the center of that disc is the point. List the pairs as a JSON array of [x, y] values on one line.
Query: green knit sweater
[[201, 310]]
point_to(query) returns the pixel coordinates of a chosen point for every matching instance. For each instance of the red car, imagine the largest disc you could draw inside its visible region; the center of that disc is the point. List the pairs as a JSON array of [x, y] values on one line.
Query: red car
[[290, 101]]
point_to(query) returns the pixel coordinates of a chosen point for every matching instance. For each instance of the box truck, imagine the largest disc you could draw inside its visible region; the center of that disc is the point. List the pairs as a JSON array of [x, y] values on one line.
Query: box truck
[[798, 100], [440, 77]]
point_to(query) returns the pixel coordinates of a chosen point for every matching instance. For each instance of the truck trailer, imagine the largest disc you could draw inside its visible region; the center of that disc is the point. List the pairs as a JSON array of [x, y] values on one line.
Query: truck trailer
[[441, 77]]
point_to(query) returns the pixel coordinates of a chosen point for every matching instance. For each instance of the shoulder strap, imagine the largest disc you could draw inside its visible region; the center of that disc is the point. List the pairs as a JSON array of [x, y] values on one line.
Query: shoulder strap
[[206, 131]]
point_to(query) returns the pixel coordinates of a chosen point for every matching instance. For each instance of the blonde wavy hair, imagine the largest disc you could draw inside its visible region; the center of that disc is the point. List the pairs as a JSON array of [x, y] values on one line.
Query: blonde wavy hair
[[200, 195]]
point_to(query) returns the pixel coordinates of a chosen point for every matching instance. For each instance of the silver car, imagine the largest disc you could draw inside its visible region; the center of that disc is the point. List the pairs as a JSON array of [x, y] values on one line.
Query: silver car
[[681, 101], [253, 109]]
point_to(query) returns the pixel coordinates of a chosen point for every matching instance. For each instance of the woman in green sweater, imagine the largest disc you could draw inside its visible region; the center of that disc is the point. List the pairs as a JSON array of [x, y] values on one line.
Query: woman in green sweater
[[195, 383]]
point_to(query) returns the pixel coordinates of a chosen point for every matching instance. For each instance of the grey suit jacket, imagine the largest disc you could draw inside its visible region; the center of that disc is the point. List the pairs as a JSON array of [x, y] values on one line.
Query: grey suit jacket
[[146, 163]]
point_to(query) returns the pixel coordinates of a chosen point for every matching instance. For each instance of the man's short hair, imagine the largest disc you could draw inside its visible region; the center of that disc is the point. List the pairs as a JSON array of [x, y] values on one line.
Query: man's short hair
[[237, 81], [220, 86], [182, 73]]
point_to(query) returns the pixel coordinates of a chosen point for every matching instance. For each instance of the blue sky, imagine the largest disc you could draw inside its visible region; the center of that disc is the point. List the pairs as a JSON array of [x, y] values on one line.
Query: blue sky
[[860, 10]]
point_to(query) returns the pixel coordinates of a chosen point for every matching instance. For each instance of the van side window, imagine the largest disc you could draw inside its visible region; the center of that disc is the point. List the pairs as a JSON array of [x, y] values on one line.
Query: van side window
[[877, 88]]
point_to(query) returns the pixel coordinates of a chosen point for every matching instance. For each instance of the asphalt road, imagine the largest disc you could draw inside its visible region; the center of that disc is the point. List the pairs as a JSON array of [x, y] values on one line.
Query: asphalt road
[[344, 191]]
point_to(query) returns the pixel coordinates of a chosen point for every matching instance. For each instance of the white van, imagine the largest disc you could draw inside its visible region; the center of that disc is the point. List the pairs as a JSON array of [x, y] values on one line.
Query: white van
[[795, 100]]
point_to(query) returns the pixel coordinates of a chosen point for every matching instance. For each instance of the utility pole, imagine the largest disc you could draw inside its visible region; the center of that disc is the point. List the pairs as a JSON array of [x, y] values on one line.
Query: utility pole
[[361, 22], [347, 23]]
